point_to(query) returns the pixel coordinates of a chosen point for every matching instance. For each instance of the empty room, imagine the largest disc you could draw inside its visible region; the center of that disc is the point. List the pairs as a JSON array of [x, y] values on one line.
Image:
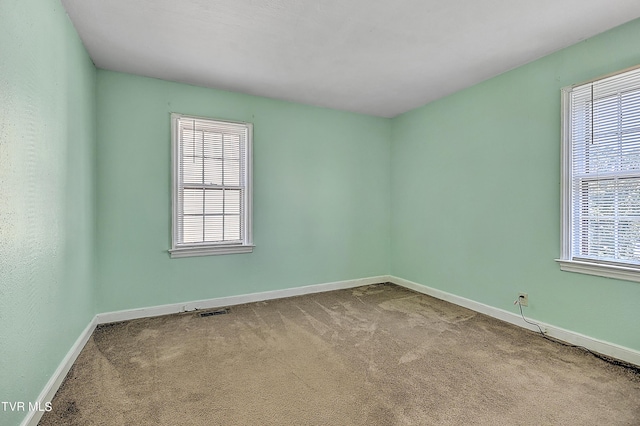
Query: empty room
[[292, 212]]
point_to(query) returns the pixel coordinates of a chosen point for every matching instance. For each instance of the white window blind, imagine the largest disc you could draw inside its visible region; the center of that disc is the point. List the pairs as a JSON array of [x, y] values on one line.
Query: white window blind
[[212, 186], [603, 171]]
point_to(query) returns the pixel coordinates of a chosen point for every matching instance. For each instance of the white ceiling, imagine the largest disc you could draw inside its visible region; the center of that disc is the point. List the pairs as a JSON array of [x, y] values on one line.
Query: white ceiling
[[374, 57]]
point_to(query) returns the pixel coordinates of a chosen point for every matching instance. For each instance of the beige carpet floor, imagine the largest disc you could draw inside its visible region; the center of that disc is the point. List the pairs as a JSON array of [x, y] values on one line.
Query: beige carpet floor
[[374, 355]]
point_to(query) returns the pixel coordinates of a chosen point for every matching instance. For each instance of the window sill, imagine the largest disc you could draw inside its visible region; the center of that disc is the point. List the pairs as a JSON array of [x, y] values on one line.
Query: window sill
[[609, 271], [209, 251]]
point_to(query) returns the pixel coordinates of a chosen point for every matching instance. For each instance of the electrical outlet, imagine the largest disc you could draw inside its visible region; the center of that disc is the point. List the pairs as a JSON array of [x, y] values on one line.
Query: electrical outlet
[[523, 298]]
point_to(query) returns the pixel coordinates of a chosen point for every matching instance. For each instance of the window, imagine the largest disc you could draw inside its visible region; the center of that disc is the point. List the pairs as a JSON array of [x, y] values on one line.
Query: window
[[601, 177], [211, 186]]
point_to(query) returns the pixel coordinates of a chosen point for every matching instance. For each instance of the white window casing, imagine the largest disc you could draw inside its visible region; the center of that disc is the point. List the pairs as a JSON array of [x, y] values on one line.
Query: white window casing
[[211, 186], [600, 186]]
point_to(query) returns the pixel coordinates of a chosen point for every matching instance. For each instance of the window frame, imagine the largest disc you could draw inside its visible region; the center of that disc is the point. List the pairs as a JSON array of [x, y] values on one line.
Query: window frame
[[617, 270], [181, 249]]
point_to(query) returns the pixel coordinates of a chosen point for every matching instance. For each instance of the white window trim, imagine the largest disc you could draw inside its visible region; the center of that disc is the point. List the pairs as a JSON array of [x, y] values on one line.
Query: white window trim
[[565, 261], [208, 249], [601, 270]]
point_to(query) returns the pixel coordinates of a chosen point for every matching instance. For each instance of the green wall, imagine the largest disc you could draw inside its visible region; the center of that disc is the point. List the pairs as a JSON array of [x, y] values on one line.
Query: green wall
[[321, 195], [476, 194], [47, 140]]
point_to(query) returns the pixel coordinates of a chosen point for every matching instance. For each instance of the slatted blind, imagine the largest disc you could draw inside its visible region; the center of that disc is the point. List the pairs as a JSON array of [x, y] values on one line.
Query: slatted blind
[[605, 170], [211, 181]]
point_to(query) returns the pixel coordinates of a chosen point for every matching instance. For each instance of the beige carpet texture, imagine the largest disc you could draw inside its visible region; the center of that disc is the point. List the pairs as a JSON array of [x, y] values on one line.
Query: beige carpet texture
[[373, 355]]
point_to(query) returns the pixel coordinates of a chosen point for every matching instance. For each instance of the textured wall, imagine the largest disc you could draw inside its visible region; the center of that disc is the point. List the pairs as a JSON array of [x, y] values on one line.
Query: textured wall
[[321, 195], [47, 135], [476, 194]]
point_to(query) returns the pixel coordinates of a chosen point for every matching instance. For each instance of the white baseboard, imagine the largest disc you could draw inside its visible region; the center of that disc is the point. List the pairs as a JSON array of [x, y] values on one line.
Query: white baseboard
[[50, 389], [220, 302], [605, 348]]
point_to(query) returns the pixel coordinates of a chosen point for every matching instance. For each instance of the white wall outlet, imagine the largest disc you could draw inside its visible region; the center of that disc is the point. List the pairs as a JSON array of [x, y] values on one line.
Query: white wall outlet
[[523, 298]]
